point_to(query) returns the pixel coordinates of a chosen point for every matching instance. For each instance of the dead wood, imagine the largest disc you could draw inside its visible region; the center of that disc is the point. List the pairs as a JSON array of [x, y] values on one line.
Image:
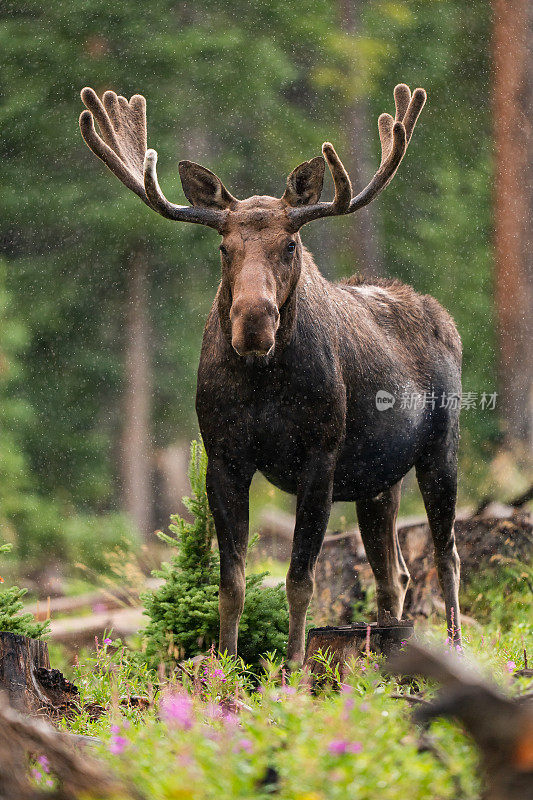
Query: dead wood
[[501, 727], [28, 681], [351, 641], [76, 774], [343, 574]]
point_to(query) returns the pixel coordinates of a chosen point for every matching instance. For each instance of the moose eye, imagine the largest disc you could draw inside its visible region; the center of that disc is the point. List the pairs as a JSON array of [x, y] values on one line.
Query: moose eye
[[223, 250], [291, 247]]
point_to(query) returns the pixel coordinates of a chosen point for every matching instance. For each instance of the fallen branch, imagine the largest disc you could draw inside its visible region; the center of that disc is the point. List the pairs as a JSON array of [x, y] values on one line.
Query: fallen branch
[[77, 774], [501, 727]]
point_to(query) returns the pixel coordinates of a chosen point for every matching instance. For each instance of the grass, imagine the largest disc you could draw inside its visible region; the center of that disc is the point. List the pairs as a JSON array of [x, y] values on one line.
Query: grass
[[216, 730]]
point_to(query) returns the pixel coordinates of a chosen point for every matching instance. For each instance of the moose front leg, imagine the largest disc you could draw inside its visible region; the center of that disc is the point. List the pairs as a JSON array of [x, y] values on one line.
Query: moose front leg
[[312, 515], [227, 492]]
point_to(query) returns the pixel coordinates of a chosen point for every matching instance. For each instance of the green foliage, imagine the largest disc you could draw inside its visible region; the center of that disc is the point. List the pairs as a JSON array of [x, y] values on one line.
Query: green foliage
[[499, 594], [11, 620], [184, 610], [356, 742], [91, 540], [249, 89]]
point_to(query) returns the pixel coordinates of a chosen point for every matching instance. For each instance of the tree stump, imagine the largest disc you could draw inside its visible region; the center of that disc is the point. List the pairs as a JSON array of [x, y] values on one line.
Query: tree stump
[[352, 641], [27, 679]]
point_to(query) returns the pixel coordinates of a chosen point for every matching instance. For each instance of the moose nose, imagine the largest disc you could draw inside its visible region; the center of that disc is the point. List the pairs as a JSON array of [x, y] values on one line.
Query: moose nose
[[254, 326]]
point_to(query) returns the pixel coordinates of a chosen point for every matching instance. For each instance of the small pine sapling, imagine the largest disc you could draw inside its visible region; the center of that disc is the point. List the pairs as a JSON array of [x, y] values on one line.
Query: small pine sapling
[[183, 611], [11, 620]]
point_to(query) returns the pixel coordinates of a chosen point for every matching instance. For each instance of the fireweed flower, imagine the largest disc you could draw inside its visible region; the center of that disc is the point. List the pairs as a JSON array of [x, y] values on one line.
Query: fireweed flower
[[108, 641], [117, 744], [511, 666], [288, 690], [177, 710], [45, 764], [349, 703], [244, 744], [338, 747]]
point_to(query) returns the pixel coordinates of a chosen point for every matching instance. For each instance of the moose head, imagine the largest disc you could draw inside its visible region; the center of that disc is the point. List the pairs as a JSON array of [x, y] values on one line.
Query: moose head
[[261, 250]]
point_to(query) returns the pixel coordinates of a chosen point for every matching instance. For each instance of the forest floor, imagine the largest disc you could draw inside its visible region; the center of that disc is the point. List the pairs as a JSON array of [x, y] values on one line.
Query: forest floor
[[215, 729]]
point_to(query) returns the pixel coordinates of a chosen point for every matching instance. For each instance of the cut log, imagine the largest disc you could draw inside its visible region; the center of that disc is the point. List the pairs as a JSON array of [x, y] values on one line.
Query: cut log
[[338, 583], [29, 683], [343, 573], [77, 632], [352, 641]]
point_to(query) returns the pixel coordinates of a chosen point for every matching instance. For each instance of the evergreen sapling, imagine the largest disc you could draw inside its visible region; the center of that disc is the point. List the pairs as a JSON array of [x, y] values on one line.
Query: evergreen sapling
[[183, 611]]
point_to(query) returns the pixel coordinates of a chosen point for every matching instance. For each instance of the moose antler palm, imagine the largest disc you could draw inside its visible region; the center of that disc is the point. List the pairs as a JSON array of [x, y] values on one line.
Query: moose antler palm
[[395, 135], [121, 145], [122, 148]]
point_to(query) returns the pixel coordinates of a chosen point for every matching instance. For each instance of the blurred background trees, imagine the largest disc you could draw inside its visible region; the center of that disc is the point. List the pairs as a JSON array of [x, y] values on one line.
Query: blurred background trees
[[102, 303]]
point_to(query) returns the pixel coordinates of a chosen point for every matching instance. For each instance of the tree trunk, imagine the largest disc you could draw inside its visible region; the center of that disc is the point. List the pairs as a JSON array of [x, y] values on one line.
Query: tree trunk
[[364, 224], [136, 438], [513, 201], [26, 678], [353, 641]]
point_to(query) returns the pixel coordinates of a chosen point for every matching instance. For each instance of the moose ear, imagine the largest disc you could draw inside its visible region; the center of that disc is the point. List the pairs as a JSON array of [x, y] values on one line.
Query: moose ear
[[304, 184], [202, 187]]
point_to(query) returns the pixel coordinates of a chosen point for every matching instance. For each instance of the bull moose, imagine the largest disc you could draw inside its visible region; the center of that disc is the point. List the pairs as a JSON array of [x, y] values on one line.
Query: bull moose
[[292, 367]]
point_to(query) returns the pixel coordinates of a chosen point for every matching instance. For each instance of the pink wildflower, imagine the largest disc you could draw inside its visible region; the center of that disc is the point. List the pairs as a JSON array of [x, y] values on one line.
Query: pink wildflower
[[117, 745], [340, 746], [45, 764], [229, 718], [177, 710], [288, 690], [244, 744], [36, 774], [511, 666], [108, 641], [349, 703]]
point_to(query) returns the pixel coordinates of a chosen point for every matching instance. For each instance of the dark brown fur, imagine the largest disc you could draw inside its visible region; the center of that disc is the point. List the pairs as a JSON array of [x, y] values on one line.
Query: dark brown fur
[[291, 365]]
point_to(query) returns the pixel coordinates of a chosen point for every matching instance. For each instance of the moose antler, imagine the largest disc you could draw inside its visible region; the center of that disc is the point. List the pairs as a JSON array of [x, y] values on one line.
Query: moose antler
[[394, 135], [121, 145]]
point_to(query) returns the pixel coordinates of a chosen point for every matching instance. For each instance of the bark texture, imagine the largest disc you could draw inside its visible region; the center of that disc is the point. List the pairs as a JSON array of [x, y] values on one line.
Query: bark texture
[[136, 434], [26, 678], [513, 204], [364, 236]]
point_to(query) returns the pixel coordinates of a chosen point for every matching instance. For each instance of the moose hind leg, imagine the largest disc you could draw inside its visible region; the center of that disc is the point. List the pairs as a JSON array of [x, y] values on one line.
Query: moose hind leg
[[437, 479], [377, 523]]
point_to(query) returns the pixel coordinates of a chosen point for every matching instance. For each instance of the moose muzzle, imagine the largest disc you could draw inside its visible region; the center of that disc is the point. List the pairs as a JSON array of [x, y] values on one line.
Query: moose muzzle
[[254, 322]]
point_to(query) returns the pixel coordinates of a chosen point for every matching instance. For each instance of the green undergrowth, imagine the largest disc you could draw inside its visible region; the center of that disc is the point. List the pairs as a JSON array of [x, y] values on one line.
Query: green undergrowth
[[216, 729], [500, 595], [183, 611], [12, 618]]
